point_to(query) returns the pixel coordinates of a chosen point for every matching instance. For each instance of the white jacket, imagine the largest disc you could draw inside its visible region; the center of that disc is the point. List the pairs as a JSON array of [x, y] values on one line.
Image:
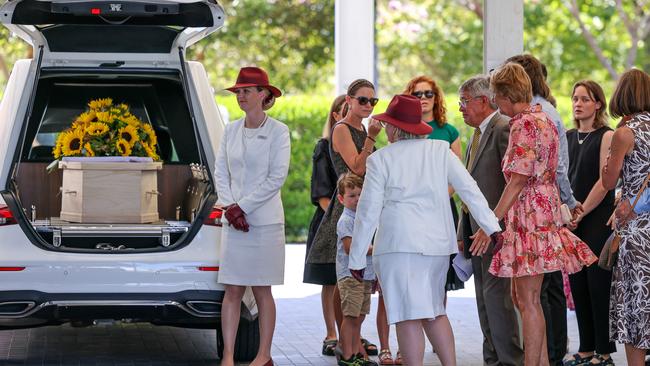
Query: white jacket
[[405, 195], [255, 182]]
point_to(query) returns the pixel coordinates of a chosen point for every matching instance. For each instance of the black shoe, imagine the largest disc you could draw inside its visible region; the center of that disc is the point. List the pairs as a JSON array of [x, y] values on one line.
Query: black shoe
[[353, 361]]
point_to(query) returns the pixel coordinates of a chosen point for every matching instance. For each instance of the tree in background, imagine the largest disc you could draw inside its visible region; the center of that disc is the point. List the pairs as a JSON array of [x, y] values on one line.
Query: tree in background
[[11, 49], [291, 39]]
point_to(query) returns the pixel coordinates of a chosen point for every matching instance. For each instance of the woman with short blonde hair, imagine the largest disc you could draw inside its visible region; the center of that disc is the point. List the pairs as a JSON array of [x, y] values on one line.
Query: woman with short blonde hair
[[534, 241]]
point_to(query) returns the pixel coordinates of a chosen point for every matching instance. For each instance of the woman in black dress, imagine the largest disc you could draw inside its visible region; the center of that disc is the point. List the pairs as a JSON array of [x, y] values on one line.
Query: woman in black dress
[[589, 145], [323, 184]]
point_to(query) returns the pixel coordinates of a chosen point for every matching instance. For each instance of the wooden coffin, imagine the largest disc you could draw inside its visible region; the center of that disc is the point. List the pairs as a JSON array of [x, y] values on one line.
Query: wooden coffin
[[109, 192]]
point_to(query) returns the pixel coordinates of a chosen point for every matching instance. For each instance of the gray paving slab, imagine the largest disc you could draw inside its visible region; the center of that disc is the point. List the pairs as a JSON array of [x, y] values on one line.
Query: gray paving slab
[[297, 341]]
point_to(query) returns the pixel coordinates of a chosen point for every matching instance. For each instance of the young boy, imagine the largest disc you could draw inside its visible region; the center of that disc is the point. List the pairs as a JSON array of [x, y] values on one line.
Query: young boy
[[355, 295]]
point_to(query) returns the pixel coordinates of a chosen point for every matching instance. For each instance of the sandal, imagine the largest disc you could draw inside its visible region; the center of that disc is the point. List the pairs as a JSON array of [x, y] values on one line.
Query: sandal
[[398, 359], [576, 360], [328, 347], [602, 361], [371, 349], [385, 357]]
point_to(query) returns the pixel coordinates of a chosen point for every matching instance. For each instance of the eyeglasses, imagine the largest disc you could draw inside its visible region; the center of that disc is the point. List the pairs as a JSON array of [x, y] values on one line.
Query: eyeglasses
[[365, 100], [427, 94], [464, 102]]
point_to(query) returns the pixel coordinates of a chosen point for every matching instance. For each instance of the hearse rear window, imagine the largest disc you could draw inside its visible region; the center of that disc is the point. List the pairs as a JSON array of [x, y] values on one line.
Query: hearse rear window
[[158, 101]]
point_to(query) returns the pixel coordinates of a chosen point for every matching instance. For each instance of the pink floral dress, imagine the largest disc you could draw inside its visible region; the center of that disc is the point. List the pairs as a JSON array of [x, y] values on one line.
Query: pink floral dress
[[534, 240]]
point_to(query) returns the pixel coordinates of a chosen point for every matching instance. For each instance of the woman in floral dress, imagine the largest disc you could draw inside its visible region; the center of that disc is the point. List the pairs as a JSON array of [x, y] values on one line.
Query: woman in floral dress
[[534, 241], [629, 304]]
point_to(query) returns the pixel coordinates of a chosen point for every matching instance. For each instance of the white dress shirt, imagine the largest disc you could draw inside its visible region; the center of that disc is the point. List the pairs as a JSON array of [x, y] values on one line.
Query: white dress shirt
[[405, 196], [251, 167]]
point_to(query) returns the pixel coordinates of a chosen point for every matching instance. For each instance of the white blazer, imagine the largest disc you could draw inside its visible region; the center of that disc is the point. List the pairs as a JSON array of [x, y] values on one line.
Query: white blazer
[[254, 181], [405, 195]]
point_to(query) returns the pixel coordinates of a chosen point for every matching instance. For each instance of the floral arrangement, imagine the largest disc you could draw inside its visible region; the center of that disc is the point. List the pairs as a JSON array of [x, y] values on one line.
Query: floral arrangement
[[107, 130]]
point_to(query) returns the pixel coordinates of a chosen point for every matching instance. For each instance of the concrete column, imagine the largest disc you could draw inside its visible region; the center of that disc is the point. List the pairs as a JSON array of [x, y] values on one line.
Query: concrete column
[[354, 42], [503, 31]]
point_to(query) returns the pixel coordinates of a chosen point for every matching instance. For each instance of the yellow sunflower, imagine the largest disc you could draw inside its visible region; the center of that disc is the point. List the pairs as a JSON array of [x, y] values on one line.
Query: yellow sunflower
[[57, 151], [97, 129], [150, 151], [87, 117], [71, 142], [89, 149], [129, 134], [99, 104], [131, 120], [123, 147], [152, 139], [105, 117]]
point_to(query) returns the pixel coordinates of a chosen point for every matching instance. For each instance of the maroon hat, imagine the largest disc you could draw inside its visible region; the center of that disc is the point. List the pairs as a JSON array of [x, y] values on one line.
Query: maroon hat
[[405, 112], [254, 76]]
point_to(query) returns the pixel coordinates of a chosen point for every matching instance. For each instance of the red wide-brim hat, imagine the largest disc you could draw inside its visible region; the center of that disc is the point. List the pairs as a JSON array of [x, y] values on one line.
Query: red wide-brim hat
[[405, 112], [254, 76]]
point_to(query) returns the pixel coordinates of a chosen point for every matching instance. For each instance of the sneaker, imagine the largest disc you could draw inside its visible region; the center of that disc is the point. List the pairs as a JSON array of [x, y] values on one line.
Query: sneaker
[[353, 361], [364, 362]]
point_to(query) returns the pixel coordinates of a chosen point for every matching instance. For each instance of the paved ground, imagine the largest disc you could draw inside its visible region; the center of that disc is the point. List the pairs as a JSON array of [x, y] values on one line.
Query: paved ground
[[298, 337]]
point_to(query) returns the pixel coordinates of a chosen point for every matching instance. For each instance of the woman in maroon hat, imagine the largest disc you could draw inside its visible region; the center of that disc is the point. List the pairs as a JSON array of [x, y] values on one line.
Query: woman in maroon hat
[[405, 198], [251, 167]]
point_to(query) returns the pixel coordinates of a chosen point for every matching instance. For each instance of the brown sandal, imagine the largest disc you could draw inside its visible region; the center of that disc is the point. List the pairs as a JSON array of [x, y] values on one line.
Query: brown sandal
[[398, 359], [385, 357]]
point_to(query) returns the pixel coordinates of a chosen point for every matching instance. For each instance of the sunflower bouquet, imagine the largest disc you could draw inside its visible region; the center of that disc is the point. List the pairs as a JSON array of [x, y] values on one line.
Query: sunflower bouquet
[[106, 129]]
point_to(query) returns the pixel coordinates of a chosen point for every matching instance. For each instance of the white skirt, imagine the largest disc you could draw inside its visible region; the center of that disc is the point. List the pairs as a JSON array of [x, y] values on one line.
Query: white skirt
[[413, 285], [255, 258]]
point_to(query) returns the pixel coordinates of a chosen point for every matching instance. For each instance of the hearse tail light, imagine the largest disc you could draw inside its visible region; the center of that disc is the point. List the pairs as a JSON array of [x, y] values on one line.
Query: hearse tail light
[[95, 11], [11, 269], [6, 217], [209, 269], [214, 219]]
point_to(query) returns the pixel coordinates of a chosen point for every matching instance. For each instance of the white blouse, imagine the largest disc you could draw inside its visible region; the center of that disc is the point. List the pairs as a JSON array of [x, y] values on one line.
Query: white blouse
[[251, 167]]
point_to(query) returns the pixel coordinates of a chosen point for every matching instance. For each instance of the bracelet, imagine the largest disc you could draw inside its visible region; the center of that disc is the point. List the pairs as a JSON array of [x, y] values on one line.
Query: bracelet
[[370, 138]]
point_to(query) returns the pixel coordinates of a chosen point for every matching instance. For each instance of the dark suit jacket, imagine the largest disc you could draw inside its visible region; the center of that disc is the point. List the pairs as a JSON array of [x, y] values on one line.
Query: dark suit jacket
[[486, 170]]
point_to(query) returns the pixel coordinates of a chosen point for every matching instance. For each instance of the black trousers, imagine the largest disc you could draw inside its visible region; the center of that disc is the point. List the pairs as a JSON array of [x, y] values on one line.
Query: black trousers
[[554, 307], [590, 290]]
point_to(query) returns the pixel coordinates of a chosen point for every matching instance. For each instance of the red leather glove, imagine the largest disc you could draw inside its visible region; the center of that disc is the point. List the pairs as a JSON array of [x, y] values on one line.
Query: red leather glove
[[237, 218]]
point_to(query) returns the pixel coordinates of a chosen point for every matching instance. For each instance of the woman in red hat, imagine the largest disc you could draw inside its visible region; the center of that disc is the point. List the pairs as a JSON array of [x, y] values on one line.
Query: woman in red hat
[[251, 167], [405, 199]]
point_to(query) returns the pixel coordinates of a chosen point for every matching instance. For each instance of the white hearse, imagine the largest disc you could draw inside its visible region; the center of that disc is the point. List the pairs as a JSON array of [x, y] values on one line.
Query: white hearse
[[54, 272]]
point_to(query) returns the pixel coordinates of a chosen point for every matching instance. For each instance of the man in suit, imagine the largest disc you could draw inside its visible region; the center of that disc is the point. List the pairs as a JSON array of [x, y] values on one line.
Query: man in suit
[[499, 322]]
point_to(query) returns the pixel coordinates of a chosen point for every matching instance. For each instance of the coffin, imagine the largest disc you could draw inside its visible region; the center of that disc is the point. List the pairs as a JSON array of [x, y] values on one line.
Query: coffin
[[109, 191]]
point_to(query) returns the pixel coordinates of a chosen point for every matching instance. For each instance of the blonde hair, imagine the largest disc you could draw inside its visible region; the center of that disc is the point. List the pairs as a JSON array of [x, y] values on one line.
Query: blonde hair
[[439, 109], [348, 180], [512, 82], [336, 106], [632, 94]]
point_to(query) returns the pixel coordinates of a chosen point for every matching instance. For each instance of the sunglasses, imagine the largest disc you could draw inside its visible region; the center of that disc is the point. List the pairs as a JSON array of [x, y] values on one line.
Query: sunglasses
[[427, 94], [365, 100]]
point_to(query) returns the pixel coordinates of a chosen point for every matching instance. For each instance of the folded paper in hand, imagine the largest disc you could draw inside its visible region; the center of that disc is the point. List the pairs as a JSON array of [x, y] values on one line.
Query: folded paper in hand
[[463, 267]]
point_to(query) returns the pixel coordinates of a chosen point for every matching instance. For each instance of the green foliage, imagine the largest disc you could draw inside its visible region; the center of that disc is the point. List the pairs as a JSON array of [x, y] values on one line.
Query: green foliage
[[291, 39]]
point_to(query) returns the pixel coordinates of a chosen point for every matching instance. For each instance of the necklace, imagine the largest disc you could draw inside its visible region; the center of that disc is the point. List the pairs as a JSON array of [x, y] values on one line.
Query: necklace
[[255, 130], [580, 141]]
